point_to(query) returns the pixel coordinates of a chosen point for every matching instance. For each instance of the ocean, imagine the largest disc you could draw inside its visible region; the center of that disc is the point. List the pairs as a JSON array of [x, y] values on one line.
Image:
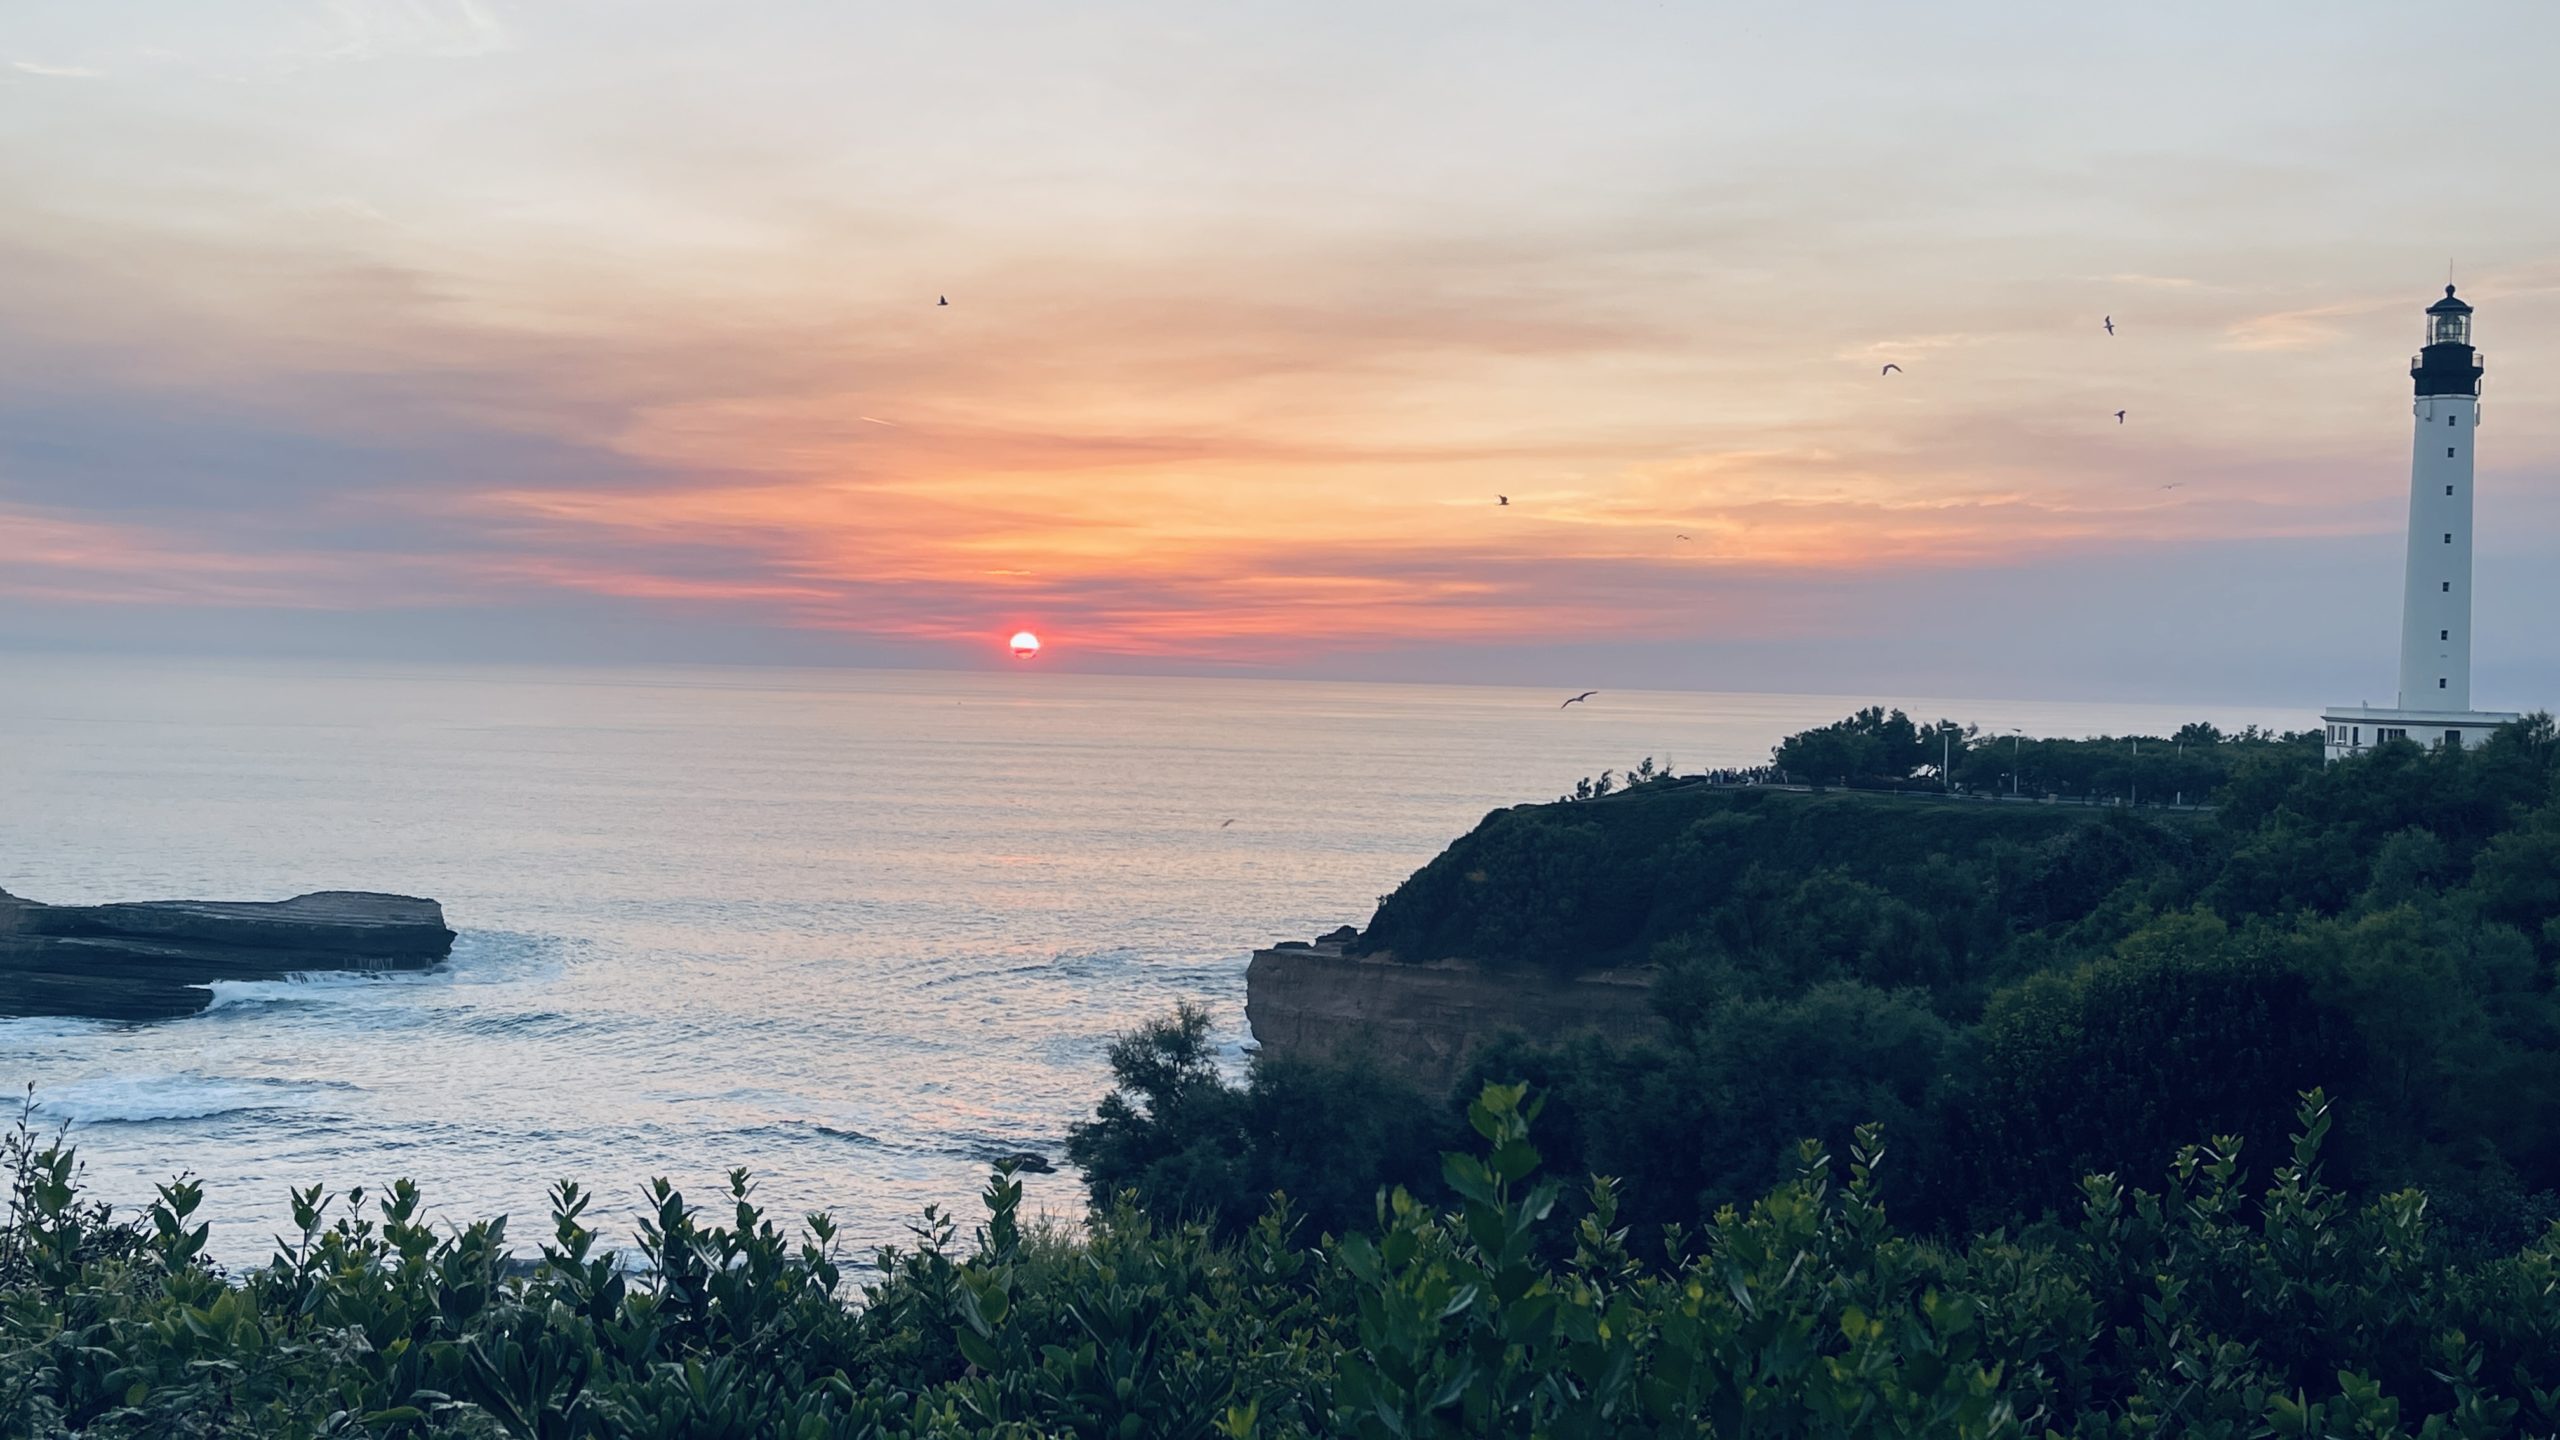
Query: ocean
[[856, 931]]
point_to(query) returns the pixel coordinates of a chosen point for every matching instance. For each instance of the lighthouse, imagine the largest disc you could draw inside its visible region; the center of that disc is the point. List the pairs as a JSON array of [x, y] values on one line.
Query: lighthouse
[[2434, 703]]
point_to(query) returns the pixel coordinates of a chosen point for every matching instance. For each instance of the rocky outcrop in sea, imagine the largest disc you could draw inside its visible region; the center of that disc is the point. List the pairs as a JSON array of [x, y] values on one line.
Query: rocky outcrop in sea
[[153, 959]]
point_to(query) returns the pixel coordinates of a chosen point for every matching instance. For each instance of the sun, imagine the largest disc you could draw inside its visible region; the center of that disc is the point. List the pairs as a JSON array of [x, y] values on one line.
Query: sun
[[1025, 644]]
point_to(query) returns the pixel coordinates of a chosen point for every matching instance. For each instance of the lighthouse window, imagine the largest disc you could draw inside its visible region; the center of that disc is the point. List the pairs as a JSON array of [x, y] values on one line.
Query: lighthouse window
[[2448, 419], [2448, 489], [2448, 537], [2444, 634], [2448, 587], [2448, 452], [2439, 684]]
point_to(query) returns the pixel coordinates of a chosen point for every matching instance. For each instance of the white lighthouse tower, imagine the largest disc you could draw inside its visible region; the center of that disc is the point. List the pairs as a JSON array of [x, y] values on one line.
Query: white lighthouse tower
[[2434, 704]]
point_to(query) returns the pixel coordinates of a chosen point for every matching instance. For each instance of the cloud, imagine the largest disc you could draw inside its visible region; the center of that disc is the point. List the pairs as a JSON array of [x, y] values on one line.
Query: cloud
[[56, 72], [1239, 463], [2311, 327], [1909, 345], [2308, 329], [68, 558], [1244, 336], [2158, 282], [442, 29]]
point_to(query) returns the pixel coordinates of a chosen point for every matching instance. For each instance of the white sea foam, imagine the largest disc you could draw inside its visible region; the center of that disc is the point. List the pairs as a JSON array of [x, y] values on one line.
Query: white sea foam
[[302, 987], [502, 954], [143, 1099], [37, 1029]]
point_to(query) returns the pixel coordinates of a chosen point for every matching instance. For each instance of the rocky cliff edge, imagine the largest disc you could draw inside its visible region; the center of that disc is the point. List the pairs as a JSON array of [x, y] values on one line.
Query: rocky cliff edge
[[1315, 1000]]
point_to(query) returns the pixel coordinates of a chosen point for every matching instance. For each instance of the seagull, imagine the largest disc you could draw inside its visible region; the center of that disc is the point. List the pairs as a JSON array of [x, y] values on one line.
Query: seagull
[[1223, 824], [1578, 699], [2173, 485], [2119, 417], [2111, 324], [1889, 368], [942, 300], [1502, 499], [1679, 537]]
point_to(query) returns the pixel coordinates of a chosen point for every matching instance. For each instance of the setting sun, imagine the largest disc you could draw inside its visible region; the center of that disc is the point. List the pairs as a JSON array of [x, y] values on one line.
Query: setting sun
[[1025, 644]]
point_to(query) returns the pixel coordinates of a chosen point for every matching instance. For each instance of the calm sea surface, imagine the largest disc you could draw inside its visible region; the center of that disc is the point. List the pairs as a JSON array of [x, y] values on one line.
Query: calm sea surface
[[858, 931]]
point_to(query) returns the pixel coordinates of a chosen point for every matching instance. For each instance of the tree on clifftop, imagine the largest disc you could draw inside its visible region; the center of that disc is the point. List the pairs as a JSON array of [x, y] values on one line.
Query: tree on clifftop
[[1873, 745]]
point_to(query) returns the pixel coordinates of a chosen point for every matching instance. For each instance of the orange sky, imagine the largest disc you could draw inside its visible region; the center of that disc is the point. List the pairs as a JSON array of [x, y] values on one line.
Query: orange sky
[[471, 309]]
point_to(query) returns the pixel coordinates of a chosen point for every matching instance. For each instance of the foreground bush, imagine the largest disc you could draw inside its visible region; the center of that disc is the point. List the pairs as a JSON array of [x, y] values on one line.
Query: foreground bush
[[2196, 1310]]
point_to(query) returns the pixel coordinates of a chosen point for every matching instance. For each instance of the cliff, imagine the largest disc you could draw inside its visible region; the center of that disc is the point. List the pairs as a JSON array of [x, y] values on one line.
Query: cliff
[[1599, 884], [1550, 919], [1422, 1021], [144, 960]]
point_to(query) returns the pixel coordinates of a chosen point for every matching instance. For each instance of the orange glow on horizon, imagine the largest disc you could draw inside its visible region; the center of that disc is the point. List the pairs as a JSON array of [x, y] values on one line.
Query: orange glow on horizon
[[1246, 361], [1230, 482]]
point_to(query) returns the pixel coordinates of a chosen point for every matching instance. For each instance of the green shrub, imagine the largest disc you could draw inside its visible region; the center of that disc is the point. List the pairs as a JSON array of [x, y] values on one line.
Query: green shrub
[[2207, 1308], [2113, 1065], [1176, 1135]]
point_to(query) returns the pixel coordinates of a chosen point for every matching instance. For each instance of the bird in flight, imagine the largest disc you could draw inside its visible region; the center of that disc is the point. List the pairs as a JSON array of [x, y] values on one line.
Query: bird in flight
[[1502, 499], [1889, 369], [2119, 417], [2173, 485], [942, 300], [2111, 324], [1679, 537], [1223, 824], [1578, 699]]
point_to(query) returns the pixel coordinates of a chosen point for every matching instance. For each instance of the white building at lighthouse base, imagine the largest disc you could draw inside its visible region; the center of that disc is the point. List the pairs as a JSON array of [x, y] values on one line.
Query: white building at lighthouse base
[[2354, 729]]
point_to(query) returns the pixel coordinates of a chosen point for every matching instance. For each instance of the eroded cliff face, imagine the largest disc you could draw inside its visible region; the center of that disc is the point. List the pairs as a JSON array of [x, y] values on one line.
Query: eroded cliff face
[[1422, 1021]]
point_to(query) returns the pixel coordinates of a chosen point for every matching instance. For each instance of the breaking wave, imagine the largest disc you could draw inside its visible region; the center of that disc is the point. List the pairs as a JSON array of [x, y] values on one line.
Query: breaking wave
[[145, 1099]]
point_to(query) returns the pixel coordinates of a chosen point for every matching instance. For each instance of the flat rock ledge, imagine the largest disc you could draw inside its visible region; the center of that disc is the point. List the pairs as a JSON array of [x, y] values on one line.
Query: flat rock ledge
[[152, 959]]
